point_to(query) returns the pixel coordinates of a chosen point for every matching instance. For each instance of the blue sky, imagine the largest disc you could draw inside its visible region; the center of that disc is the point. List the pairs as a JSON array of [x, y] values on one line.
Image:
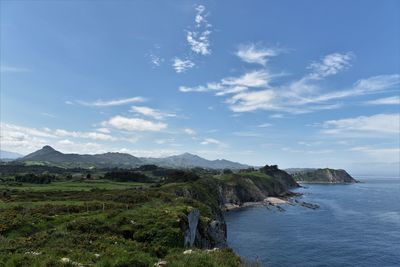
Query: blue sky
[[293, 83]]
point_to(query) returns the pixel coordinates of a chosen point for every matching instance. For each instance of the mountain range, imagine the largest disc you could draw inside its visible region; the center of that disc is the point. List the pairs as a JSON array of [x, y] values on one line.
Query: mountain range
[[8, 155], [48, 155]]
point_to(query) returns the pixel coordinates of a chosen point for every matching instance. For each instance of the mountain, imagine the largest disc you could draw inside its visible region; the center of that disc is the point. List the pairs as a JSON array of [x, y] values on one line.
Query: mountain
[[8, 155], [329, 176], [49, 155], [112, 159], [188, 160]]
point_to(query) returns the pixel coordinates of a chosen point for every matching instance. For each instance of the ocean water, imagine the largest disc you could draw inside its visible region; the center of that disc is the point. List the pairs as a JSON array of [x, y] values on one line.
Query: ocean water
[[356, 225]]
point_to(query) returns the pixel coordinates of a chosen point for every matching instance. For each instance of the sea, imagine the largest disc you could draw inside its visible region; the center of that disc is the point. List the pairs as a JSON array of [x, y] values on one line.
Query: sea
[[356, 225]]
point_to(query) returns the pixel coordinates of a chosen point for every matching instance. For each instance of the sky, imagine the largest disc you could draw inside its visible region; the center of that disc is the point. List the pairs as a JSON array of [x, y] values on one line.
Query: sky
[[294, 83]]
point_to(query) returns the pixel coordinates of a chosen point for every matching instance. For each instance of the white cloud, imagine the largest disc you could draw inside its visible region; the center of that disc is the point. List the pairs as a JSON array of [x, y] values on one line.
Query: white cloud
[[258, 55], [86, 135], [114, 102], [134, 124], [146, 111], [393, 100], [182, 65], [22, 139], [199, 38], [232, 85], [189, 131], [254, 91], [103, 130], [250, 101], [65, 142], [330, 65], [12, 128], [370, 85], [211, 141], [376, 124]]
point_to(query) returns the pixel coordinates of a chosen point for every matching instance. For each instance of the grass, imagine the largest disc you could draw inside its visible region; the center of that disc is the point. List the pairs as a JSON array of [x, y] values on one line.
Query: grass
[[103, 223], [86, 185]]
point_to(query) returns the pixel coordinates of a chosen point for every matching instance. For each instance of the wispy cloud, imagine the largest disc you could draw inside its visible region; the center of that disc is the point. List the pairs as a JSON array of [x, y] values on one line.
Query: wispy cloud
[[113, 102], [252, 53], [150, 112], [264, 125], [375, 125], [156, 60], [199, 38], [134, 124], [330, 65], [86, 135], [182, 65], [256, 90], [7, 68], [26, 139], [189, 131], [391, 154], [393, 100], [247, 134], [211, 141], [232, 85]]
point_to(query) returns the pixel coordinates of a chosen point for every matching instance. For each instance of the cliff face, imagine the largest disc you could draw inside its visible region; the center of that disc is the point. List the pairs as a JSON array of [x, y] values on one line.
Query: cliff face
[[206, 228], [255, 186], [330, 176]]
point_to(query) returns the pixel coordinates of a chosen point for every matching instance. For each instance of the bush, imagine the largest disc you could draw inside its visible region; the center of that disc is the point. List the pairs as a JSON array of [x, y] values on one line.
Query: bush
[[35, 178], [127, 176]]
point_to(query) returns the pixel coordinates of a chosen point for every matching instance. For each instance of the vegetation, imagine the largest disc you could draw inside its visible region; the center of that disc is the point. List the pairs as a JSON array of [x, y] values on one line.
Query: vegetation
[[99, 220], [117, 217], [35, 179], [127, 176]]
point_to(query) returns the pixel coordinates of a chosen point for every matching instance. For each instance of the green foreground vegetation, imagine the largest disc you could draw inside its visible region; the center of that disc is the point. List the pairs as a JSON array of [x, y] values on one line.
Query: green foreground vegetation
[[83, 219]]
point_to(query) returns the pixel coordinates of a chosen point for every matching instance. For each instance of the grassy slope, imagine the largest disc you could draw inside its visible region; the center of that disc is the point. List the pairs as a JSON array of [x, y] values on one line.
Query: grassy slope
[[130, 227], [105, 223], [72, 186]]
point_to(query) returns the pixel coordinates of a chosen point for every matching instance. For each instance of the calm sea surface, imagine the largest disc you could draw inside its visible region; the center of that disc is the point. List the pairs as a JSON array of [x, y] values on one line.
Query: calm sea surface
[[356, 225]]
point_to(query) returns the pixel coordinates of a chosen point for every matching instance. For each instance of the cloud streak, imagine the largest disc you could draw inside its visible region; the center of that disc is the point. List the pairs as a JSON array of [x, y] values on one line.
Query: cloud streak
[[113, 102], [199, 38], [393, 100], [256, 55], [182, 65], [374, 125], [150, 112]]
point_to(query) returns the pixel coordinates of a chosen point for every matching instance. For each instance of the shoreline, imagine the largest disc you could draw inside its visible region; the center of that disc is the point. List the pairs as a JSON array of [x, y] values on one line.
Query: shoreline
[[269, 201], [272, 201]]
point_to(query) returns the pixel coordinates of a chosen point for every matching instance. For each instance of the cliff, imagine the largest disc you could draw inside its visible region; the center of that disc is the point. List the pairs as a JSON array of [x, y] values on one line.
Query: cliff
[[206, 227], [329, 176]]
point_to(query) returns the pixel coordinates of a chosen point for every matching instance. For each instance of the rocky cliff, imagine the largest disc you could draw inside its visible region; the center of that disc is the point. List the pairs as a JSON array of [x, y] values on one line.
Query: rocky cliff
[[330, 176], [206, 228]]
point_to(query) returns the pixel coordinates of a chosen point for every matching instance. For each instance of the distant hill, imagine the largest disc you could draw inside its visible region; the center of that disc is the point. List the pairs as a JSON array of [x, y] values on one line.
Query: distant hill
[[331, 176], [188, 160], [48, 155], [8, 155]]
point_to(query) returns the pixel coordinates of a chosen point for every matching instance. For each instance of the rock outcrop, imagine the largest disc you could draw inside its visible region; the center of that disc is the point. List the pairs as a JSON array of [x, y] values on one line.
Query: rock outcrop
[[208, 230], [190, 233], [329, 176]]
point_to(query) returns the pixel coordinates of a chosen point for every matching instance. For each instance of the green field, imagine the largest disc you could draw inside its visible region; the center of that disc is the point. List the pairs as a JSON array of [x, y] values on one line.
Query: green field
[[102, 223], [73, 186]]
